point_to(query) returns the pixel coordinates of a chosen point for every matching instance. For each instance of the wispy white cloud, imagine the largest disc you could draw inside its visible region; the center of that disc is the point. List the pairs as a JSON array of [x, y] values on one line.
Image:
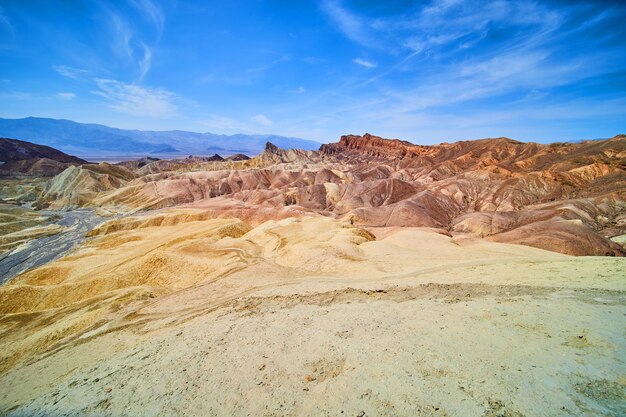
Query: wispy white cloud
[[391, 69], [66, 96], [228, 125], [220, 123], [462, 24], [524, 59], [364, 63], [549, 122], [157, 18], [352, 25], [477, 80], [145, 63], [154, 13], [137, 100], [5, 24], [122, 35], [71, 72], [270, 64], [298, 90], [443, 100], [133, 47], [40, 98], [17, 95], [262, 120]]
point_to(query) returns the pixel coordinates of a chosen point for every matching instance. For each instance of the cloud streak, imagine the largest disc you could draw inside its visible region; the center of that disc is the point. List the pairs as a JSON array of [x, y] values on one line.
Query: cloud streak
[[528, 58], [350, 24], [5, 24], [66, 96], [145, 63], [230, 125], [262, 120], [220, 123], [298, 90], [135, 47], [269, 65], [152, 12], [71, 72], [137, 100], [364, 63]]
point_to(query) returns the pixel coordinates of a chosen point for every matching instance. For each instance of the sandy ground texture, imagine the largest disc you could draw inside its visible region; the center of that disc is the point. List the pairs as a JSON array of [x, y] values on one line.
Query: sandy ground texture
[[179, 314]]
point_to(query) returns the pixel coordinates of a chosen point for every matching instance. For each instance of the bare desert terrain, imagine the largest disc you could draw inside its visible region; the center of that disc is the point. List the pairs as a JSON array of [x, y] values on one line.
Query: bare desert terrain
[[312, 316], [371, 278]]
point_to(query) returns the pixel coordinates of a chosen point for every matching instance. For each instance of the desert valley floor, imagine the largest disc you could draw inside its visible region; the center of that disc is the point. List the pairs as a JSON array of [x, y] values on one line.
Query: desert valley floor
[[371, 278]]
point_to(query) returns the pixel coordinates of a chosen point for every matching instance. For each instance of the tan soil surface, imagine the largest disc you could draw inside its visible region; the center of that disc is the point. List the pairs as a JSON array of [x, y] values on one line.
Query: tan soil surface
[[179, 314]]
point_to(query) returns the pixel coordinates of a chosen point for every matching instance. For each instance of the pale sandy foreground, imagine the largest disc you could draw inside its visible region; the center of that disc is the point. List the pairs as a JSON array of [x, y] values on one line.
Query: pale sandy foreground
[[178, 314]]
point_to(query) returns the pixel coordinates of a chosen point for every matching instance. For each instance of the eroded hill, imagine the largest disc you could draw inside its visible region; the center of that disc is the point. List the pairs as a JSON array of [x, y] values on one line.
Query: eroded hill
[[565, 197], [20, 158]]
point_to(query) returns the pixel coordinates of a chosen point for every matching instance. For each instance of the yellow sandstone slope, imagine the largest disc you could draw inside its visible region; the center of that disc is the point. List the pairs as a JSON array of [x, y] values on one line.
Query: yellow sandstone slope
[[178, 313]]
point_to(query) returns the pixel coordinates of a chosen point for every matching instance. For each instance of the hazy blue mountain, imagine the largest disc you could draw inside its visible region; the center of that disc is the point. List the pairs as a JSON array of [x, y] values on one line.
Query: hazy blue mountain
[[92, 139]]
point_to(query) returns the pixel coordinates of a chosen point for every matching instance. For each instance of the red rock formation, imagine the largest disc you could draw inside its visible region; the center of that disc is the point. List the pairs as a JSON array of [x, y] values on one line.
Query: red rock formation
[[374, 146]]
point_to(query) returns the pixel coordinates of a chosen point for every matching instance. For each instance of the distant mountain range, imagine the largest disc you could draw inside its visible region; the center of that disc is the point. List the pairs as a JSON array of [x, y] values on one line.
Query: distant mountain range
[[83, 139]]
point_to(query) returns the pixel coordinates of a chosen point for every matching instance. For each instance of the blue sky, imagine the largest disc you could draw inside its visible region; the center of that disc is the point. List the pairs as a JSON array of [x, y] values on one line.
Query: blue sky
[[428, 72]]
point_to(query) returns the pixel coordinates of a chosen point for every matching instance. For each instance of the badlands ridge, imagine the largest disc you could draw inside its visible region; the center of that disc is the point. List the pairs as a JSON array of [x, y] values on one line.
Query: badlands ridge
[[564, 197], [371, 277]]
